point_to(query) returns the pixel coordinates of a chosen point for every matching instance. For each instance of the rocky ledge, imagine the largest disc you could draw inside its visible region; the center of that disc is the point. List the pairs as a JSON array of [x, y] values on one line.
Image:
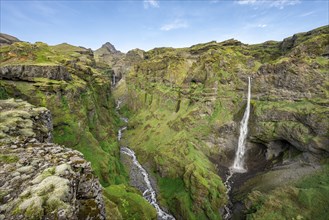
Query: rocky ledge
[[29, 72], [38, 179]]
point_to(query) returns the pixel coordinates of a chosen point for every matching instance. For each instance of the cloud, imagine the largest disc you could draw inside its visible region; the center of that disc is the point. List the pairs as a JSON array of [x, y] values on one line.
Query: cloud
[[151, 3], [177, 24], [266, 3], [262, 25], [307, 14]]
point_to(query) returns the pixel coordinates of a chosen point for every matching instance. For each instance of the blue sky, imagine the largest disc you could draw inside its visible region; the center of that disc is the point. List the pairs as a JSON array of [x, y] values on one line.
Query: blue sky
[[146, 24]]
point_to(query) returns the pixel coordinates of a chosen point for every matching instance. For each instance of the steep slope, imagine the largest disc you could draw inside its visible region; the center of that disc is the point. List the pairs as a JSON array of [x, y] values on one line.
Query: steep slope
[[119, 62], [67, 80], [187, 104], [40, 179]]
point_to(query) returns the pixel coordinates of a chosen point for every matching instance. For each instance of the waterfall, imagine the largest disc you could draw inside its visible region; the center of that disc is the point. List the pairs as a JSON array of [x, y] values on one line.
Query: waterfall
[[113, 80], [238, 165], [149, 194]]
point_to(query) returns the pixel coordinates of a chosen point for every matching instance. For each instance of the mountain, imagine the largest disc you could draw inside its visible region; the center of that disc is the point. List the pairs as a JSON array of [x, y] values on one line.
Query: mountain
[[119, 62], [183, 108], [187, 105], [67, 80], [6, 39]]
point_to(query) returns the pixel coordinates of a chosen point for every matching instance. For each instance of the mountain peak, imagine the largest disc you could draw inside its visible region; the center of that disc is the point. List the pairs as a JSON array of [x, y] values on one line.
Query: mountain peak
[[110, 48]]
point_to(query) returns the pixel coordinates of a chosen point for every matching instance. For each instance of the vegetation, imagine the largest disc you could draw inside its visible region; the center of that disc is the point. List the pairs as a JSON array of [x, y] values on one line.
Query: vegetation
[[306, 199], [187, 103], [82, 109], [184, 107]]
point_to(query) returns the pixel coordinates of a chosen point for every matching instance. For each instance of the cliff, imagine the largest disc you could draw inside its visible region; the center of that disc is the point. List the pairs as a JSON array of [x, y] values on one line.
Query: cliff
[[184, 108], [67, 80], [187, 104], [40, 179]]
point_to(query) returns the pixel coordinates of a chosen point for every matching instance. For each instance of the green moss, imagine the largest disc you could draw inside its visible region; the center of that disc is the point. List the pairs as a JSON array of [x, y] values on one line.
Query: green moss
[[306, 199], [130, 203], [8, 158], [3, 93]]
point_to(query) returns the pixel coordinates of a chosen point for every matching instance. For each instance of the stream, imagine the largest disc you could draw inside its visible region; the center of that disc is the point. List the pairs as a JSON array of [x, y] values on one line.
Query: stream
[[140, 176]]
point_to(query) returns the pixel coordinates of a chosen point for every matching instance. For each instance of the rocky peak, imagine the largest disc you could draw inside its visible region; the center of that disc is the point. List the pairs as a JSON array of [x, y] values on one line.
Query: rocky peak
[[110, 48]]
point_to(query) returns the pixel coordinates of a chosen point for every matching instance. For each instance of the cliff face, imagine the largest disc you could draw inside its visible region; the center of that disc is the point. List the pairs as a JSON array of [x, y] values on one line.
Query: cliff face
[[188, 104], [64, 79], [119, 62], [77, 90], [185, 106], [40, 179]]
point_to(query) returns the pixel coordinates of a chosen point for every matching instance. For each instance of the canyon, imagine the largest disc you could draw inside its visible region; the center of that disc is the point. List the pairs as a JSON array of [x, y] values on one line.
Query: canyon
[[60, 121]]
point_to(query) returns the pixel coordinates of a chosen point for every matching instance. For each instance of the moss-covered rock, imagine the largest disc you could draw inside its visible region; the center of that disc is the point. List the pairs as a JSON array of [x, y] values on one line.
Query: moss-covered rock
[[40, 179], [187, 104]]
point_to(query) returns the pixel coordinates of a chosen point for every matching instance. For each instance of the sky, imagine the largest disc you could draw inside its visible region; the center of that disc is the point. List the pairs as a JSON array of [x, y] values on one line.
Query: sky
[[147, 24]]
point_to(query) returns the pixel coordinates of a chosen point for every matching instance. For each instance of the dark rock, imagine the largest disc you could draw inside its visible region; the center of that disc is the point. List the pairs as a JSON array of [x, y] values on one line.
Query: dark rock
[[6, 39], [29, 72]]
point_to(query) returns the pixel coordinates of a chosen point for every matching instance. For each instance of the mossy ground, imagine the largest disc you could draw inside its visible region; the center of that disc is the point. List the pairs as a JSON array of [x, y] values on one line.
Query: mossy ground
[[178, 101], [306, 199], [130, 202]]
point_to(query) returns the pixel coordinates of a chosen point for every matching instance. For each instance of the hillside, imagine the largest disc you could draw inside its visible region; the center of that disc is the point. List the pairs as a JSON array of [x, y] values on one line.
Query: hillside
[[186, 105], [66, 80], [183, 108]]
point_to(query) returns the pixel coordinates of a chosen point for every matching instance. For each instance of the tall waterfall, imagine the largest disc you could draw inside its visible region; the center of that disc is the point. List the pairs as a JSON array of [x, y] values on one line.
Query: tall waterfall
[[238, 166]]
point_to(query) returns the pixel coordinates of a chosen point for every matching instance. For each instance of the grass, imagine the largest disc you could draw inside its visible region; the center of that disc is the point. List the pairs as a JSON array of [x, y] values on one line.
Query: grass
[[306, 199], [187, 180], [130, 203]]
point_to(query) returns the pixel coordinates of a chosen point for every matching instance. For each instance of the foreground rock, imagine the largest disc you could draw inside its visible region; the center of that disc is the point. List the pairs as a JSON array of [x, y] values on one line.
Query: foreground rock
[[38, 179]]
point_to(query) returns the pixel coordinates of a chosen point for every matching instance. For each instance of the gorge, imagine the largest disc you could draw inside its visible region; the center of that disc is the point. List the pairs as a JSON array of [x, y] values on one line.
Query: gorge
[[192, 125]]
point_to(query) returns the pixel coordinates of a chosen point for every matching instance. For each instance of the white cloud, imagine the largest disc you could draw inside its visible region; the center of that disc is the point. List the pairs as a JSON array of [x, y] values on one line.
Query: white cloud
[[262, 25], [246, 2], [274, 3], [151, 3], [307, 14], [177, 24]]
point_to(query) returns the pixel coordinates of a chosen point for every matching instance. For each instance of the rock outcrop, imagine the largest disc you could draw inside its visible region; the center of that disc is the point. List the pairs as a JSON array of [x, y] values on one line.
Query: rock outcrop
[[120, 62], [40, 179], [6, 39], [30, 72]]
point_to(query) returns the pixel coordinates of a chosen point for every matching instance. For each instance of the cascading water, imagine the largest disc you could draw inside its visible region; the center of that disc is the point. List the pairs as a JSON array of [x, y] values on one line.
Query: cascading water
[[238, 165], [149, 194], [113, 80]]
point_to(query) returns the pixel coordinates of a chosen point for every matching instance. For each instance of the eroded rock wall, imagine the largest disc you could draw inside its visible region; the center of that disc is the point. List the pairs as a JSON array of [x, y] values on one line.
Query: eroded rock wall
[[40, 179]]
